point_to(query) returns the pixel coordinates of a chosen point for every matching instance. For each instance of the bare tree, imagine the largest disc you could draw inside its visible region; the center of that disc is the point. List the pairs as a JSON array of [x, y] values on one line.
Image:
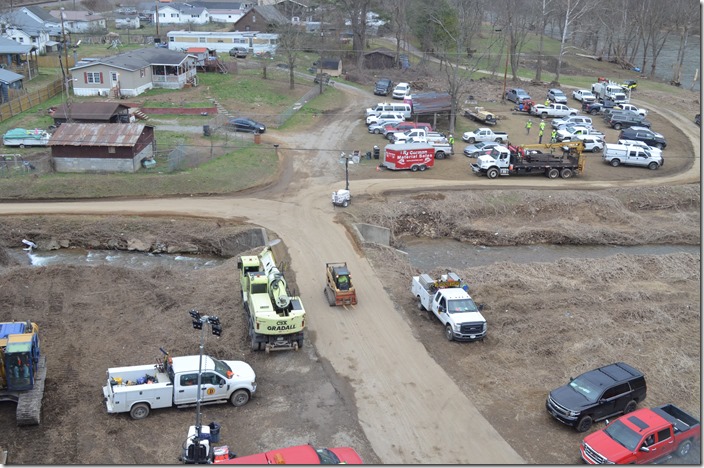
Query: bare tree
[[573, 11], [685, 14], [356, 12], [543, 12], [290, 44]]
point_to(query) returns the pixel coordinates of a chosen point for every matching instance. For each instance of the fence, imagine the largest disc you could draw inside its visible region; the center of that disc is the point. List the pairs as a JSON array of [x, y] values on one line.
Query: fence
[[27, 101], [285, 115], [15, 165]]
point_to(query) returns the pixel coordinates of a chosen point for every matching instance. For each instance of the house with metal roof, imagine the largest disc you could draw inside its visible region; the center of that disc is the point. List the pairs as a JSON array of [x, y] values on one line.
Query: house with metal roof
[[18, 58], [91, 112], [91, 147], [261, 18], [81, 21], [134, 72], [11, 85], [25, 27], [182, 13]]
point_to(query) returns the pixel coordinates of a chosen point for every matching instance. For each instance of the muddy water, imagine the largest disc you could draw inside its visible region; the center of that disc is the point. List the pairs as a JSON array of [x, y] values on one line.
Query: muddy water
[[137, 260], [424, 254], [427, 254]]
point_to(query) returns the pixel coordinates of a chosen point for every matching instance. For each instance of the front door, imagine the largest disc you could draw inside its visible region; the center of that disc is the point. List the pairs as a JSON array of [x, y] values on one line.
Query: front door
[[186, 388], [659, 444], [213, 387]]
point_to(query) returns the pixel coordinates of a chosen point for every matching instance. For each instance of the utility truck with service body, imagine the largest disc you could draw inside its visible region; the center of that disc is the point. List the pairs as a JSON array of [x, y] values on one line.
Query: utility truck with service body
[[485, 134], [276, 319], [645, 436], [174, 382], [22, 370], [610, 90], [448, 299], [530, 159], [413, 156]]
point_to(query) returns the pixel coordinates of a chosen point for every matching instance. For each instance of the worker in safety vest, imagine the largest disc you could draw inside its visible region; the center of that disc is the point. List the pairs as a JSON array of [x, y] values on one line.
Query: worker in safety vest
[[542, 124], [540, 136], [553, 136], [529, 124]]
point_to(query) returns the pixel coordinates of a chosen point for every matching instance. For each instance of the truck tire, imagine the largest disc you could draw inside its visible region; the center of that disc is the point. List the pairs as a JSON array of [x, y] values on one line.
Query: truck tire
[[596, 149], [422, 167], [139, 411], [492, 173], [471, 140], [239, 397], [498, 140], [420, 305], [552, 173], [630, 407], [255, 345], [414, 168], [300, 343], [684, 448], [617, 126], [345, 204], [544, 115], [377, 131], [566, 173], [659, 145], [448, 333], [594, 112], [653, 165], [615, 162], [440, 155], [584, 424]]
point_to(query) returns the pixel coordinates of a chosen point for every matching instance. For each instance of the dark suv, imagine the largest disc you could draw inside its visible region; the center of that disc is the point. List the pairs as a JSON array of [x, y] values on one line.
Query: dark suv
[[623, 120], [596, 395], [643, 134], [383, 87]]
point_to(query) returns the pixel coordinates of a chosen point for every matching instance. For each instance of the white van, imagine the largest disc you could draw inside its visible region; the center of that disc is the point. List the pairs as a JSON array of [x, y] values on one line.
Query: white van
[[630, 155], [397, 108]]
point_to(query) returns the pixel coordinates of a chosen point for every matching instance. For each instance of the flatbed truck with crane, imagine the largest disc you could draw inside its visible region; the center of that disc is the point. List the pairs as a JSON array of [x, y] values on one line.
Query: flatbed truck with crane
[[533, 159]]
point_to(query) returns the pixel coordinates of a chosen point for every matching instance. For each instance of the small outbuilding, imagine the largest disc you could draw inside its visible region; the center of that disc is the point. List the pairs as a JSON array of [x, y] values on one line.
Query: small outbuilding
[[381, 58], [90, 147], [91, 112]]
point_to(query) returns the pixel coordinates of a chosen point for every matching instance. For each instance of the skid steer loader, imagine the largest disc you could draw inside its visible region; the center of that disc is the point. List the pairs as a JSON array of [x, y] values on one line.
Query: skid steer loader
[[339, 289]]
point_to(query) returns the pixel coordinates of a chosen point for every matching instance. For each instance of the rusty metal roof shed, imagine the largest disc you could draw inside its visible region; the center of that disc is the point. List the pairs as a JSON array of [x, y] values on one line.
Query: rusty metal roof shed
[[90, 110], [431, 103], [95, 134]]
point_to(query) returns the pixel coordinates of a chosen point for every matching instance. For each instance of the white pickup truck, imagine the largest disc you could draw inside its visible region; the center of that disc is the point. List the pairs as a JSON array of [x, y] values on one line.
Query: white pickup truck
[[443, 149], [553, 110], [139, 389], [418, 134], [448, 300], [566, 134], [485, 134]]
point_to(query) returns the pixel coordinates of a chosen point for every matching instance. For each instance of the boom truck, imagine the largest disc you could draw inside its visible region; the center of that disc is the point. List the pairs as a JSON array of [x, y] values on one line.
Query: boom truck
[[530, 159], [22, 370], [276, 319]]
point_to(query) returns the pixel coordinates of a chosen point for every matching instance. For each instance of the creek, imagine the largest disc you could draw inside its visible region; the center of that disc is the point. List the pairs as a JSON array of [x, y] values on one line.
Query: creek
[[424, 254]]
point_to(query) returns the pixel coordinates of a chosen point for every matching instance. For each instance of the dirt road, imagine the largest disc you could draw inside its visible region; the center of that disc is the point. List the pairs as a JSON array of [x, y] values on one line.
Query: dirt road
[[411, 411]]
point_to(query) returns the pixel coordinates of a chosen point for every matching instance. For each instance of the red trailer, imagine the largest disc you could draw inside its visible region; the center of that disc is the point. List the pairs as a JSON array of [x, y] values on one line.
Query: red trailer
[[413, 156]]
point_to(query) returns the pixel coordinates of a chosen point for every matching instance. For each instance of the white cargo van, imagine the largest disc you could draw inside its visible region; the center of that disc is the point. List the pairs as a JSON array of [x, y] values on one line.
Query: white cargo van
[[630, 155]]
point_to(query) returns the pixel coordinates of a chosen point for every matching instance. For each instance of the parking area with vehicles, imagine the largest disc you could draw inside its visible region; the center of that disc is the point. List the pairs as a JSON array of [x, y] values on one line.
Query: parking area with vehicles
[[643, 309]]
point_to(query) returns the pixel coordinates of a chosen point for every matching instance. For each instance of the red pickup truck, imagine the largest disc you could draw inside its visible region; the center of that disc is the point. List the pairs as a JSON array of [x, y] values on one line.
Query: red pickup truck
[[643, 436]]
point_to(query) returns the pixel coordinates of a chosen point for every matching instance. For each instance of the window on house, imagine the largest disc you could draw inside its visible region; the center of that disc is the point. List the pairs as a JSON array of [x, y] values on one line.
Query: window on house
[[111, 149], [201, 40], [93, 77], [113, 76], [141, 73]]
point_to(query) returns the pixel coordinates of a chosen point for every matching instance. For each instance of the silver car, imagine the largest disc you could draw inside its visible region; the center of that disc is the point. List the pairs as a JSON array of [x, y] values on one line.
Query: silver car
[[477, 149]]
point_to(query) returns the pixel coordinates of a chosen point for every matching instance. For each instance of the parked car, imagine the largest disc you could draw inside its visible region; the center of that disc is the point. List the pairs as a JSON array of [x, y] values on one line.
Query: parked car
[[592, 143], [556, 95], [244, 124], [301, 455], [321, 76], [620, 121], [596, 395], [388, 116], [517, 95], [583, 95], [239, 52], [383, 87], [698, 119], [650, 137], [477, 149], [652, 149], [617, 155], [572, 120], [401, 91]]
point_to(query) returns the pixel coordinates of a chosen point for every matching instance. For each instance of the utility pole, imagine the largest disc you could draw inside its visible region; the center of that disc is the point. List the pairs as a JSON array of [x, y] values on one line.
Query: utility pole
[[66, 74], [320, 76], [157, 18], [198, 321]]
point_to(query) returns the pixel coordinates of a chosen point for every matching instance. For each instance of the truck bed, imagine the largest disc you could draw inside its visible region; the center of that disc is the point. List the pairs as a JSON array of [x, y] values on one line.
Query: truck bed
[[681, 421]]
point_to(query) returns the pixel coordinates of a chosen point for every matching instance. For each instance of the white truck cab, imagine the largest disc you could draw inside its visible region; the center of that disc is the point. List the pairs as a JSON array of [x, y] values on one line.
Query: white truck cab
[[617, 155]]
